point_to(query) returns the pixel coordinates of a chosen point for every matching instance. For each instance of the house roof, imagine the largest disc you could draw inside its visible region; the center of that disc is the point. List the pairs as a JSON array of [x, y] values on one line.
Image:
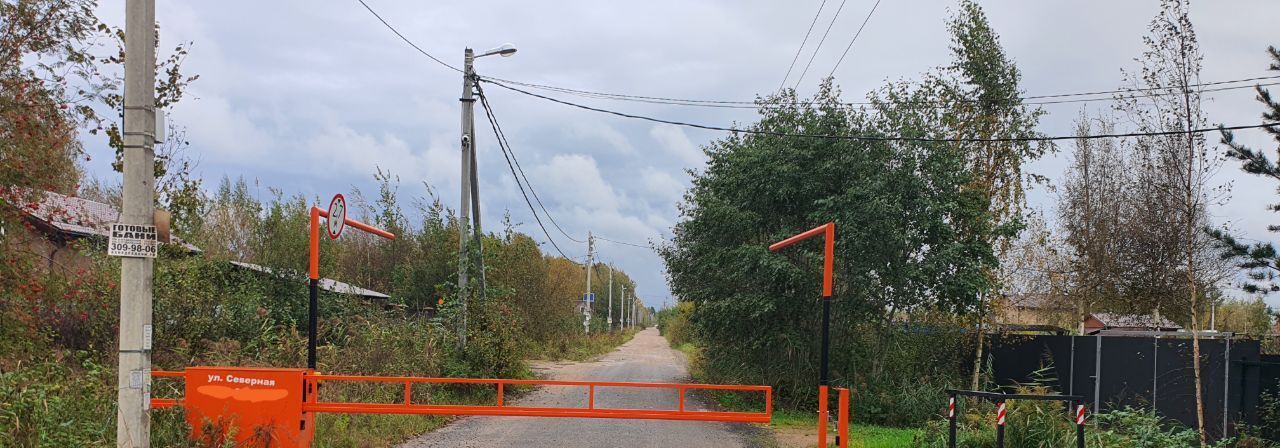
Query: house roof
[[1035, 301], [1133, 321], [325, 284], [82, 217]]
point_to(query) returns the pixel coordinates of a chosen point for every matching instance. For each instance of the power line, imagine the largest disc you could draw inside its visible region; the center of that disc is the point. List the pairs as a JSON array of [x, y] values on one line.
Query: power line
[[752, 104], [493, 122], [882, 138], [508, 151], [406, 40], [820, 41], [1155, 91], [624, 243], [802, 43], [855, 38], [502, 136]]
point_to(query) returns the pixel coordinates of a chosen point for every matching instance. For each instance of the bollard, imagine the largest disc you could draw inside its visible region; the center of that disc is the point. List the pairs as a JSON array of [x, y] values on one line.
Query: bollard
[[842, 422], [1080, 424], [951, 415], [1000, 425], [822, 416]]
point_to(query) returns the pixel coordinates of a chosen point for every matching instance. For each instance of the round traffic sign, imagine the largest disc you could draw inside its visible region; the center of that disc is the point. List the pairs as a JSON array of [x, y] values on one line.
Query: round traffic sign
[[337, 216]]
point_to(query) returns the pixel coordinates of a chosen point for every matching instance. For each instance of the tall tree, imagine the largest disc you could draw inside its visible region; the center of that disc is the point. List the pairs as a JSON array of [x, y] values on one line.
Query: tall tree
[[1175, 169], [1091, 211], [1261, 261], [985, 102]]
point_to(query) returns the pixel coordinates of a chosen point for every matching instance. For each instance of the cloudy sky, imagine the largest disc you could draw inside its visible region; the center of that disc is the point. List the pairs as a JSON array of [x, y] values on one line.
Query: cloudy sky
[[313, 96]]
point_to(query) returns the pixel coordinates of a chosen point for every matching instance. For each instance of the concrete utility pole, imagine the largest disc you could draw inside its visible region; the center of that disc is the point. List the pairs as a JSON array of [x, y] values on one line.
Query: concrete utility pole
[[464, 207], [133, 391], [591, 245], [623, 317], [609, 319]]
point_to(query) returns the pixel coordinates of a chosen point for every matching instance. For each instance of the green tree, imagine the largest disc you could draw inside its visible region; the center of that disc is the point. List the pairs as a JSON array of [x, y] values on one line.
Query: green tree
[[1261, 261], [911, 235], [984, 101]]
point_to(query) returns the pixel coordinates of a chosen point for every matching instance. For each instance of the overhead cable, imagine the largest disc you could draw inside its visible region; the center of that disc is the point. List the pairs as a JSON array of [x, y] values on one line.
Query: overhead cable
[[855, 38], [802, 43], [819, 47], [881, 138]]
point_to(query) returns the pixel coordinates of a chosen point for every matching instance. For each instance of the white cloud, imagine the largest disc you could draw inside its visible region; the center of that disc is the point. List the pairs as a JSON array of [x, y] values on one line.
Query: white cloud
[[672, 140]]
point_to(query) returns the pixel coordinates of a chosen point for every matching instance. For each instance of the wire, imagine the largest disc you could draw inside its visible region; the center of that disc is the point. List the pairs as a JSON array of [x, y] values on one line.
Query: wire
[[755, 105], [855, 38], [505, 144], [624, 243], [406, 40], [884, 138], [752, 104], [802, 43], [493, 122], [820, 41], [502, 137]]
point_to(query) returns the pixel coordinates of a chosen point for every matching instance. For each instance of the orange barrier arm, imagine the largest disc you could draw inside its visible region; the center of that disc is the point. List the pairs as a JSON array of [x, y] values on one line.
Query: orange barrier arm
[[828, 259], [316, 214], [165, 403], [500, 408]]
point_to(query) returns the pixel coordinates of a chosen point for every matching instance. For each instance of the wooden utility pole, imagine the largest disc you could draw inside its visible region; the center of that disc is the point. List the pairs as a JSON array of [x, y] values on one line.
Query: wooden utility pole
[[133, 391]]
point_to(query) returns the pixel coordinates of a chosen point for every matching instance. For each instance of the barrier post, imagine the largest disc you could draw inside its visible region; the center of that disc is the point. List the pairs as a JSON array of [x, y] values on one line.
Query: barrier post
[[951, 415], [1000, 425], [842, 422], [822, 416], [1080, 424]]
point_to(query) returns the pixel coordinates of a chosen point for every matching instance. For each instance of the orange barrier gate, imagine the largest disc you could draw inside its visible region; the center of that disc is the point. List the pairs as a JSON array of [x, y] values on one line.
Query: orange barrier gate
[[278, 405]]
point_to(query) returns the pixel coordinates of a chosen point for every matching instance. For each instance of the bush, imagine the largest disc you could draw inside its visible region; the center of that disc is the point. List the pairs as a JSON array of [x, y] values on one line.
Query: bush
[[674, 324]]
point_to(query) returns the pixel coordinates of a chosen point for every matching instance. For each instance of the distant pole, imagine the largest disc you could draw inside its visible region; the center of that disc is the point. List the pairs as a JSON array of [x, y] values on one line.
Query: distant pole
[[609, 319], [464, 206], [133, 391], [623, 315], [590, 261]]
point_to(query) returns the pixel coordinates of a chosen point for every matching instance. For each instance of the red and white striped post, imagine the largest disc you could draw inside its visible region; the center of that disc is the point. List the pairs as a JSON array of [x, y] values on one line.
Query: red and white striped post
[[1000, 425], [1080, 424], [951, 416]]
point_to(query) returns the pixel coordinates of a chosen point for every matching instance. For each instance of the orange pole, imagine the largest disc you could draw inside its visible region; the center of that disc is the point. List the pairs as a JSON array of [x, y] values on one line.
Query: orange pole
[[828, 259], [361, 226], [407, 392], [315, 242], [681, 399], [500, 394], [591, 396], [842, 422], [822, 416]]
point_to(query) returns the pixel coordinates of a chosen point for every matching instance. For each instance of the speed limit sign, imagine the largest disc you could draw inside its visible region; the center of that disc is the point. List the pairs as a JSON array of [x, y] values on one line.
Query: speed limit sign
[[337, 216]]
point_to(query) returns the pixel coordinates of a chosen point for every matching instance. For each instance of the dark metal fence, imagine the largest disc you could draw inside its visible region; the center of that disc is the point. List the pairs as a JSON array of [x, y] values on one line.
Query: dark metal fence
[[1152, 372]]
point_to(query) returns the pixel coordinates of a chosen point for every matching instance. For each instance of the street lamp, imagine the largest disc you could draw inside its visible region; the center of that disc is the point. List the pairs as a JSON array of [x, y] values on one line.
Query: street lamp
[[504, 50], [470, 190]]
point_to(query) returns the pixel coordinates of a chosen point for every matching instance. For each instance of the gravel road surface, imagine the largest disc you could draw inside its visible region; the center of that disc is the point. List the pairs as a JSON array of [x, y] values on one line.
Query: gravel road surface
[[645, 358]]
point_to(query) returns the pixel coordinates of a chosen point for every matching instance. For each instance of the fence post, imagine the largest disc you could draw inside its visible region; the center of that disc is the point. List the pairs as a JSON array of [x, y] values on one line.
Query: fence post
[[1080, 424], [1000, 425], [951, 415], [842, 422], [822, 416]]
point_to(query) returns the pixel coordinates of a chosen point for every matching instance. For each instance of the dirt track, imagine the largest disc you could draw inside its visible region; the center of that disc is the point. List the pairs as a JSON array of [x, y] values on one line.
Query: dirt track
[[646, 358]]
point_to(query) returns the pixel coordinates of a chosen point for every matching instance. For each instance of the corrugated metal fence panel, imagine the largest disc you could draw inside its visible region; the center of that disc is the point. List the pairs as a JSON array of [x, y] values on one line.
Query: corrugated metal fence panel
[[1142, 372]]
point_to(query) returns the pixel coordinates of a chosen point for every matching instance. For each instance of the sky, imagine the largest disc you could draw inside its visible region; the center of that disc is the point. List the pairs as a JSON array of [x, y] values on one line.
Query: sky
[[313, 97]]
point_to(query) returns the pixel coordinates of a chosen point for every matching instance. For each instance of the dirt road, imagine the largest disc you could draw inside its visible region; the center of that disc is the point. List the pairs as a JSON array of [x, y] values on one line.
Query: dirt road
[[646, 358]]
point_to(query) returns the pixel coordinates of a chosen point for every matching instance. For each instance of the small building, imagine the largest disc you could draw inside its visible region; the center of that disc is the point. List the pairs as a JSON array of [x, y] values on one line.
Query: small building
[[57, 221], [324, 284], [1098, 322], [1035, 309]]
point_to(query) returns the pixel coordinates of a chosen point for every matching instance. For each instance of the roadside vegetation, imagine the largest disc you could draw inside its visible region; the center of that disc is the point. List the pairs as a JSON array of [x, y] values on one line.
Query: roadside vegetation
[[934, 236], [59, 312]]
